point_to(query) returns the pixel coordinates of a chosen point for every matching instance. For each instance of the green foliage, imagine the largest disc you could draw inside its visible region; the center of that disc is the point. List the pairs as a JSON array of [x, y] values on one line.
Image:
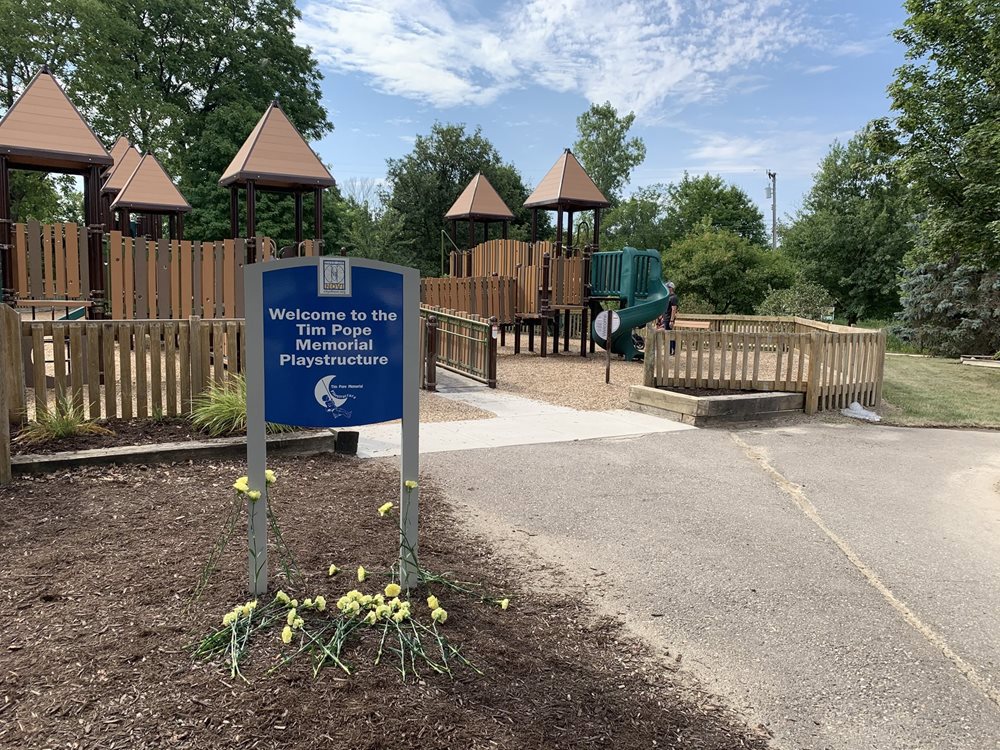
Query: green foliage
[[222, 409], [605, 150], [424, 184], [803, 299], [946, 132], [66, 420], [726, 270], [656, 216], [951, 308], [856, 225]]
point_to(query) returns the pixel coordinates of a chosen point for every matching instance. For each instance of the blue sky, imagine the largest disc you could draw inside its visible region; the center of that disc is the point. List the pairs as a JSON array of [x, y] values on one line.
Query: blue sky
[[732, 87]]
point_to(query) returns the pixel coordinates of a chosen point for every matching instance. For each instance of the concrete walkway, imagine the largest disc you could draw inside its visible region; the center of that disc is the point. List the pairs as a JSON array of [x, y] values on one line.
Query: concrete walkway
[[839, 584], [519, 421]]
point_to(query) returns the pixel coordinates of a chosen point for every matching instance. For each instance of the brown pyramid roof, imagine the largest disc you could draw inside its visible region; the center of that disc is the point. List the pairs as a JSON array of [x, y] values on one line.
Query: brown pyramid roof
[[479, 201], [44, 129], [118, 150], [124, 167], [276, 155], [567, 185], [150, 189]]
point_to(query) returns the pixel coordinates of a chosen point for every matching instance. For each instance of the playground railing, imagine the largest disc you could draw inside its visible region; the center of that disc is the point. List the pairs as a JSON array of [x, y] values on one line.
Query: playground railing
[[832, 367], [489, 296], [50, 261], [464, 344]]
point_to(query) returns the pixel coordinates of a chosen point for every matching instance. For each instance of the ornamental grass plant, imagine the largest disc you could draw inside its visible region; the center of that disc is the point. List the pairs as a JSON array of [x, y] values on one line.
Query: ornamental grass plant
[[65, 420], [222, 409]]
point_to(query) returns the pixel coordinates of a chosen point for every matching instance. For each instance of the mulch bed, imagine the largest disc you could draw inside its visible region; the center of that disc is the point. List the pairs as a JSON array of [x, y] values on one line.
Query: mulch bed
[[124, 432], [96, 567]]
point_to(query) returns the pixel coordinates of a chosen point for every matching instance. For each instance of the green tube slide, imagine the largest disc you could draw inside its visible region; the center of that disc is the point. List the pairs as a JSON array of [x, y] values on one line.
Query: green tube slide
[[635, 279]]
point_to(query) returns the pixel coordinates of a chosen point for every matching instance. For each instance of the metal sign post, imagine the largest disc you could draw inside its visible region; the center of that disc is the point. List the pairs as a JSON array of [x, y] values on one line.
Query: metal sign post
[[332, 342], [606, 326]]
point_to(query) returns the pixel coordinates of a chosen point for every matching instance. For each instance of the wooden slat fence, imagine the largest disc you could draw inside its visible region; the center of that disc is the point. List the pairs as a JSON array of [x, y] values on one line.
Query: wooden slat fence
[[833, 368], [465, 344], [488, 297], [50, 261], [120, 369]]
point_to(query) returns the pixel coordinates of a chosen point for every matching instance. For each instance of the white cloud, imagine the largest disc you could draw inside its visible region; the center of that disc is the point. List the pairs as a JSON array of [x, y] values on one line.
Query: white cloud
[[645, 56], [817, 69], [793, 153]]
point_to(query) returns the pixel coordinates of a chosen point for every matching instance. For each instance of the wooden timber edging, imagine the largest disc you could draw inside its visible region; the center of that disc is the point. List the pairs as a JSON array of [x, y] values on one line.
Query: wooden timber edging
[[292, 443], [832, 367]]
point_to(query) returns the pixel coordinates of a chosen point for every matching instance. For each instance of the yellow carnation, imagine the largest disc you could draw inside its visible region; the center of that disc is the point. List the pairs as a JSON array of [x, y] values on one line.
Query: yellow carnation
[[332, 571], [286, 635], [432, 602], [361, 573], [228, 619], [292, 614], [354, 595], [371, 617], [241, 485], [254, 495], [293, 603], [353, 608], [320, 603], [297, 623], [269, 476], [504, 603], [400, 616], [282, 597], [410, 484], [307, 604], [392, 589], [342, 602], [382, 611], [384, 509], [439, 615]]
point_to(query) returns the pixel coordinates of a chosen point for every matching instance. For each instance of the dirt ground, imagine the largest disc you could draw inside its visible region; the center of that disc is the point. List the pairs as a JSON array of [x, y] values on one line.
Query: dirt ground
[[96, 567]]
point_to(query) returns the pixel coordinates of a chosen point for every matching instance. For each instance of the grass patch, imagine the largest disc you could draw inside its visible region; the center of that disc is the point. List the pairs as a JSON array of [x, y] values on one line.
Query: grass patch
[[929, 391], [66, 420], [222, 409]]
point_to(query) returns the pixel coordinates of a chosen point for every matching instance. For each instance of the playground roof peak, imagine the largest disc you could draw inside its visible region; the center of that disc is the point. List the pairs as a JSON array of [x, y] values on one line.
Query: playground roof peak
[[567, 186], [44, 129], [149, 189], [276, 155], [125, 165], [479, 200], [119, 148]]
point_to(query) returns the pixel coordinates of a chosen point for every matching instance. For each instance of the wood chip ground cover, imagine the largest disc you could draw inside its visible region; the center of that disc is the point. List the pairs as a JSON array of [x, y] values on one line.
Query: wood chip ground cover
[[96, 566]]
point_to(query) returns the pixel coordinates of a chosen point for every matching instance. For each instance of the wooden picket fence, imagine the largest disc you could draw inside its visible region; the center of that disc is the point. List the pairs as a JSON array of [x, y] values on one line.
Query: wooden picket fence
[[490, 296], [125, 368], [832, 365]]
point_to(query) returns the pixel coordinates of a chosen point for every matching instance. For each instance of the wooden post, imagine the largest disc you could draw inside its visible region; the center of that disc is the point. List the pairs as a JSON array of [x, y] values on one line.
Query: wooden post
[[585, 302], [597, 228], [251, 209], [491, 354], [7, 284], [543, 305], [298, 219], [95, 245], [881, 369], [179, 226], [10, 331], [318, 219], [194, 338], [430, 334], [812, 382], [472, 234], [649, 358], [559, 233], [6, 477], [234, 211], [569, 227]]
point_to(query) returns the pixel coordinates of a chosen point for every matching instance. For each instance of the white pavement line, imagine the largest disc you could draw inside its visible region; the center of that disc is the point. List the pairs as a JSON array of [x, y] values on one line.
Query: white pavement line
[[805, 505]]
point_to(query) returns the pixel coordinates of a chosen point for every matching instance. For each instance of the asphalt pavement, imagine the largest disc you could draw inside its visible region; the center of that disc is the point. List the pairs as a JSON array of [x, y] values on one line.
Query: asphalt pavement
[[837, 583]]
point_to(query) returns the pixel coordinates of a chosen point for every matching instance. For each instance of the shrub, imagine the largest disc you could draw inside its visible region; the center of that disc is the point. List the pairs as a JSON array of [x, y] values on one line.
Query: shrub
[[951, 308], [64, 421], [222, 409], [803, 299]]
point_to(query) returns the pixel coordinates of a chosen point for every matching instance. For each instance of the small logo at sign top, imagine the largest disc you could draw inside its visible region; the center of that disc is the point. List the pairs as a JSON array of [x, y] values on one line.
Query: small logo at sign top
[[334, 277], [330, 400]]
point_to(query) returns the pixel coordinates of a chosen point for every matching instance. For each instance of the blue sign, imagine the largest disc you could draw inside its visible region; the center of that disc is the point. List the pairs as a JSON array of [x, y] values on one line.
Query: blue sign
[[332, 344]]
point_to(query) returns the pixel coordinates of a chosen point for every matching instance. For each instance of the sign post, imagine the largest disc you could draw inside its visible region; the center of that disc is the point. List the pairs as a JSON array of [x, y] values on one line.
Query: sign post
[[606, 326], [331, 342]]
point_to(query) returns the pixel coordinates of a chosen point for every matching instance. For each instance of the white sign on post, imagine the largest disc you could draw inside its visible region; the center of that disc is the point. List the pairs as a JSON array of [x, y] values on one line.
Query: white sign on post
[[332, 342], [601, 323]]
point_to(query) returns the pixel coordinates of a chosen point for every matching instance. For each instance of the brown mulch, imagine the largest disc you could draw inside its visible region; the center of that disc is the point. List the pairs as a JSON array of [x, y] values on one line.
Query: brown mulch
[[123, 432], [96, 567]]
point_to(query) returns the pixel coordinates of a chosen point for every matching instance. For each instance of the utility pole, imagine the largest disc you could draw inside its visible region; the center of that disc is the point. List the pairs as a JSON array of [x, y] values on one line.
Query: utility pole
[[772, 191]]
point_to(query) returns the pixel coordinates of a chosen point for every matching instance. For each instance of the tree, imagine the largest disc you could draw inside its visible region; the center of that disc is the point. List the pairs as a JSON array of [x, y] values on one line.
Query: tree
[[856, 225], [695, 200], [423, 185], [946, 132], [727, 270], [636, 221], [605, 150], [803, 299], [951, 308]]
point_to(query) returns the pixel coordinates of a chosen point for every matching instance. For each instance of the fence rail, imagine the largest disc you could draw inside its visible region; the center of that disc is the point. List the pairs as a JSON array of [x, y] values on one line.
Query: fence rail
[[461, 343], [492, 296], [50, 261], [832, 365]]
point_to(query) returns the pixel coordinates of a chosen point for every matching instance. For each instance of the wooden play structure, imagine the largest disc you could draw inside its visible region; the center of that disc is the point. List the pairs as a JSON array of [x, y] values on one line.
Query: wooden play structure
[[534, 285]]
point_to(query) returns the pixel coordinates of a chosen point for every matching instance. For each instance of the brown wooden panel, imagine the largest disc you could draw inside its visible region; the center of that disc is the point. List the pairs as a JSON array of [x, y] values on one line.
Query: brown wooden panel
[[84, 264], [208, 279], [155, 368], [218, 353], [128, 272], [186, 278], [163, 279], [116, 275], [196, 300], [77, 358], [184, 357], [48, 266], [35, 259], [21, 259], [59, 261], [60, 380], [175, 279], [241, 258], [219, 280], [38, 368], [141, 255], [110, 380], [229, 276], [93, 332], [72, 260], [170, 364]]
